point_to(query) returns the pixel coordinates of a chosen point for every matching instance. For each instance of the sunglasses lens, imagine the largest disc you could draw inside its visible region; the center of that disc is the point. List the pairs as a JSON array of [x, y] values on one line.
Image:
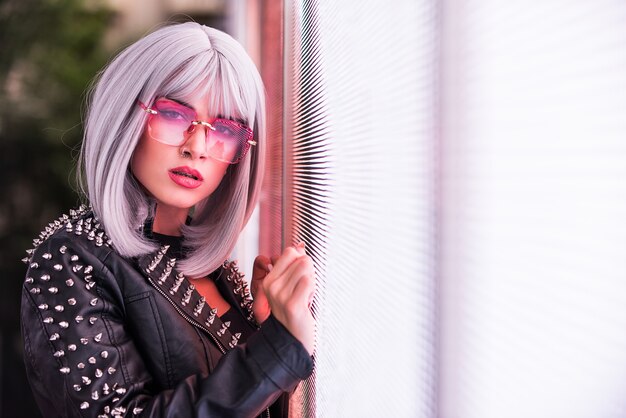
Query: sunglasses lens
[[228, 142], [171, 122]]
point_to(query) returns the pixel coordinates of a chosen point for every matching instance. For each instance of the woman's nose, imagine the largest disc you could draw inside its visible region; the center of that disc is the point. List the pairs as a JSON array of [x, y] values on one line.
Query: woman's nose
[[196, 142]]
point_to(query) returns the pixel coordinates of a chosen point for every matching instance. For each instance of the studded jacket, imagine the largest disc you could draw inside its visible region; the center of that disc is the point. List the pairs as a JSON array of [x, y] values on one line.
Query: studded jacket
[[110, 336]]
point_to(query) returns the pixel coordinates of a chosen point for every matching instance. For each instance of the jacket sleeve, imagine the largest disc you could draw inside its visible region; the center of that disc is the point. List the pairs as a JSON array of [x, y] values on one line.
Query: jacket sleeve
[[82, 362]]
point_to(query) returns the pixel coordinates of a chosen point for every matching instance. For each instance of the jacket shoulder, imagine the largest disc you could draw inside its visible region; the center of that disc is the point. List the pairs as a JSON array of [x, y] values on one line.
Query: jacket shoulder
[[79, 222]]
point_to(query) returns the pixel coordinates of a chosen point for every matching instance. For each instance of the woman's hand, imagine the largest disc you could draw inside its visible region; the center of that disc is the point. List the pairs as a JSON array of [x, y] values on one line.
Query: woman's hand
[[288, 288]]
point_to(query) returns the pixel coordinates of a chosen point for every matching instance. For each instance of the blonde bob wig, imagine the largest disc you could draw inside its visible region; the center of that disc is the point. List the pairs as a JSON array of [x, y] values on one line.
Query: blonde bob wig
[[174, 61]]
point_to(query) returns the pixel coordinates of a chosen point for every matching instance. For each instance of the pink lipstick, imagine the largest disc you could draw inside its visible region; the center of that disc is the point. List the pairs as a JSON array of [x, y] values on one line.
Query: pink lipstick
[[186, 177]]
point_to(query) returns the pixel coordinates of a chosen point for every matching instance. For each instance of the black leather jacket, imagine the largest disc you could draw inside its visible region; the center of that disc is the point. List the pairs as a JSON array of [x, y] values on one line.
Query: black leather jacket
[[109, 336]]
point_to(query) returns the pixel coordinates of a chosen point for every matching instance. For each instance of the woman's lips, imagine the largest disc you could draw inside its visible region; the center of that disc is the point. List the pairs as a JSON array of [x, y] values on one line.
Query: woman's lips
[[186, 177]]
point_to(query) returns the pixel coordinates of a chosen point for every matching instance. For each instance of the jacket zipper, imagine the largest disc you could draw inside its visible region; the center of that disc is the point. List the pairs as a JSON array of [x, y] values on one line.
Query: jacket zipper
[[187, 318], [196, 324]]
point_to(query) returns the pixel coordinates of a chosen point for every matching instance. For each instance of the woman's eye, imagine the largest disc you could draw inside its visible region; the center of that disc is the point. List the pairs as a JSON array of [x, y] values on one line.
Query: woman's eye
[[171, 114], [224, 130]]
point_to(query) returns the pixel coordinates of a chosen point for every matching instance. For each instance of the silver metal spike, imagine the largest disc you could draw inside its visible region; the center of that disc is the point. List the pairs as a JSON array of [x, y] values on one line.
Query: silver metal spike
[[94, 395], [90, 285], [199, 306], [105, 389], [74, 257], [78, 318], [166, 273], [43, 306], [179, 279], [211, 318], [77, 268], [98, 337], [59, 353], [93, 301], [59, 308], [53, 290], [81, 365], [25, 260], [91, 360], [88, 269], [63, 249], [54, 337], [47, 256], [35, 290], [86, 380], [99, 373], [137, 411], [111, 370], [92, 320], [57, 267], [91, 235], [104, 354], [187, 295], [30, 251], [77, 388], [71, 301], [69, 282], [84, 405], [64, 324], [71, 347], [45, 277], [30, 280], [34, 265], [120, 391], [64, 370], [84, 341]]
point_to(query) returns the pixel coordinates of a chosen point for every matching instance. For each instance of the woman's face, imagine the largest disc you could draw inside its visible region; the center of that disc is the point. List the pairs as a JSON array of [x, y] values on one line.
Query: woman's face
[[179, 176]]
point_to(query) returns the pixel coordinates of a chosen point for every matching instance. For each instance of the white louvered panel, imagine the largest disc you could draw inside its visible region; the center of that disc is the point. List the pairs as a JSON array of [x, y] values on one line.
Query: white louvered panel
[[359, 190], [534, 156]]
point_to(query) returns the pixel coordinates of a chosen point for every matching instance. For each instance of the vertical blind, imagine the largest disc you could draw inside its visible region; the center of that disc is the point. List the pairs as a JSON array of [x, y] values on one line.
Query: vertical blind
[[456, 170]]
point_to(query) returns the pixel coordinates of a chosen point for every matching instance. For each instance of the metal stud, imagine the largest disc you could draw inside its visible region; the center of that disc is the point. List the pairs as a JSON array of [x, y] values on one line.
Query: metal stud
[[43, 306], [99, 373], [166, 272], [30, 280], [54, 337], [71, 347], [157, 259], [137, 411], [84, 341], [120, 391], [64, 370], [211, 318], [92, 235], [59, 308], [34, 265], [94, 395], [64, 324], [223, 329], [105, 389], [81, 365], [187, 295], [77, 388], [104, 354], [59, 353], [69, 282], [74, 257], [86, 380], [53, 290], [78, 319], [199, 306], [93, 301], [45, 277], [58, 267], [71, 301], [77, 268], [91, 360], [90, 285], [98, 337], [84, 405], [25, 260], [63, 249], [111, 370], [88, 269], [48, 320], [47, 256], [179, 279], [35, 290]]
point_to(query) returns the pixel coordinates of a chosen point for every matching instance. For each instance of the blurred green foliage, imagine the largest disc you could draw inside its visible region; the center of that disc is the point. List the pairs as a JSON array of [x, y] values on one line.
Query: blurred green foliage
[[49, 52]]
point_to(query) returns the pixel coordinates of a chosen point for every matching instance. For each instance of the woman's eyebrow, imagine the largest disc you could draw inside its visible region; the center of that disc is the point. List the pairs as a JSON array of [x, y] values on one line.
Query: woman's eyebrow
[[240, 120]]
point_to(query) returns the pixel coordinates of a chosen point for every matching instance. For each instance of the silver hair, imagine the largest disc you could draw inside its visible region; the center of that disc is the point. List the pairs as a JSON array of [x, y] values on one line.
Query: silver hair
[[173, 61]]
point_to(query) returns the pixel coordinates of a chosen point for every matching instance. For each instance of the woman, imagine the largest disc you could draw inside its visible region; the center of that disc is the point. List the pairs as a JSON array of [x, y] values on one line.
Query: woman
[[128, 307]]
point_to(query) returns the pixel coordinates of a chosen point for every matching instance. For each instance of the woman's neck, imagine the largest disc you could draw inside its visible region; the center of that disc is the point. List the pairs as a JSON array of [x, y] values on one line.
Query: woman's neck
[[168, 220]]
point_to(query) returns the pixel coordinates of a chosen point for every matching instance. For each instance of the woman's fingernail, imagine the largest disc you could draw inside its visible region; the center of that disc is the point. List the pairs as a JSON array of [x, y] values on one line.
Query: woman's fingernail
[[269, 267]]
